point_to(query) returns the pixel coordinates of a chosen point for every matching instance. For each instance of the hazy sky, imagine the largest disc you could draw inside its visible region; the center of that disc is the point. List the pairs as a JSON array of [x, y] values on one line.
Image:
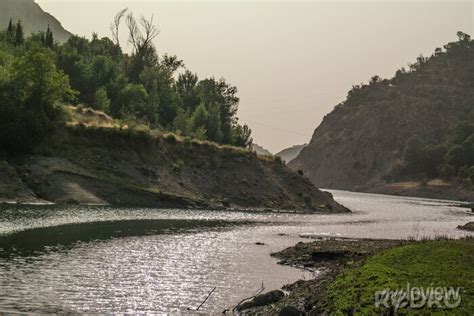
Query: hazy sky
[[291, 61]]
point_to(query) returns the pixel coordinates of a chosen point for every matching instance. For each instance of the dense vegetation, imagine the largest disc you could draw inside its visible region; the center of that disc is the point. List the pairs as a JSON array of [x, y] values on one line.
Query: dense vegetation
[[38, 75], [450, 153], [443, 263]]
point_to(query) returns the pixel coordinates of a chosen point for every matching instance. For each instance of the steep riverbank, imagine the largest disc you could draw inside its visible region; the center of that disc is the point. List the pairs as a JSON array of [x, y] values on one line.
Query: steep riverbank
[[89, 165]]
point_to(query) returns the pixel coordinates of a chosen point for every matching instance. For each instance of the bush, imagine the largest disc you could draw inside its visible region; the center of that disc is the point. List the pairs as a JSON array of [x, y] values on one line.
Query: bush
[[171, 138], [30, 93], [447, 172]]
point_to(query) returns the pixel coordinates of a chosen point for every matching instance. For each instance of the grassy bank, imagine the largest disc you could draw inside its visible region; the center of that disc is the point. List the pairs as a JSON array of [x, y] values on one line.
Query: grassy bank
[[353, 271], [444, 263]]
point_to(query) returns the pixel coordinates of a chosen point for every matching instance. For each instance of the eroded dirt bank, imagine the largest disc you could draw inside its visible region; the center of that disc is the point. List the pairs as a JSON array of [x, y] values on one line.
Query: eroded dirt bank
[[100, 166]]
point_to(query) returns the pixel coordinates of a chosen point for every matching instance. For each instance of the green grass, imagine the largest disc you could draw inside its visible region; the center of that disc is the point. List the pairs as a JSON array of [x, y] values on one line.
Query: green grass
[[440, 263]]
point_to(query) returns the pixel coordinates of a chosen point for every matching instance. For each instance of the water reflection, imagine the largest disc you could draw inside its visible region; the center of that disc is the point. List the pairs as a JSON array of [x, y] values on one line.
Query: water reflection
[[34, 241], [104, 260]]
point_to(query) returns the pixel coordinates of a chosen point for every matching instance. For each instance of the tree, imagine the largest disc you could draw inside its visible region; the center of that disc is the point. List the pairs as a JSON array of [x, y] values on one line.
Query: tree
[[102, 101], [186, 87], [131, 101], [434, 157], [457, 156], [115, 26], [413, 153], [182, 122], [241, 135], [30, 98], [375, 79], [49, 38], [211, 91], [19, 36], [463, 37], [141, 36], [199, 118], [11, 31], [213, 128]]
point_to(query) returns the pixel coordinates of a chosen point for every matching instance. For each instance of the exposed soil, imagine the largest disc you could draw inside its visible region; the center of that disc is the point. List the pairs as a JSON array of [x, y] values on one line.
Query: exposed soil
[[100, 166]]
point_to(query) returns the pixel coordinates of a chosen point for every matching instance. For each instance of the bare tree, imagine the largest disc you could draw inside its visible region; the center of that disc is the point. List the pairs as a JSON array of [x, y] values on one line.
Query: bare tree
[[115, 26], [139, 39], [150, 31]]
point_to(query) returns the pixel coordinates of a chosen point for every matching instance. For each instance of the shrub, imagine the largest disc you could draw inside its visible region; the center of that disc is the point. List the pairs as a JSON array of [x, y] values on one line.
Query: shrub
[[171, 138]]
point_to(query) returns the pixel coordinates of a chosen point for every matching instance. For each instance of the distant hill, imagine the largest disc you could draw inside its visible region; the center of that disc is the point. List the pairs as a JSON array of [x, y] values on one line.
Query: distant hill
[[261, 151], [291, 153], [396, 136], [32, 17]]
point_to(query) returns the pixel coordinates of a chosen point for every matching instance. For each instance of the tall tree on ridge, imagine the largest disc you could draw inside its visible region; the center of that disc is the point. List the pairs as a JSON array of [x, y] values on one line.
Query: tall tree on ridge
[[11, 31], [49, 38], [19, 37]]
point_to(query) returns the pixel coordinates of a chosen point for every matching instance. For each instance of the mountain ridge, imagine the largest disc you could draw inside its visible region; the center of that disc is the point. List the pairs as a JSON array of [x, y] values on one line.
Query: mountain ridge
[[401, 130], [32, 17], [290, 153]]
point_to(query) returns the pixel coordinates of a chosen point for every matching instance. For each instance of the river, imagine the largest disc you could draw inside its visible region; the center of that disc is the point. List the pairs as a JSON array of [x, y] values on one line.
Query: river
[[96, 259]]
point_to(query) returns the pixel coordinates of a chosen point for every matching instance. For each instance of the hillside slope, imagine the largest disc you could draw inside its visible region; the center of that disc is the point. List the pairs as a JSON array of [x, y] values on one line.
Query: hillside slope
[[402, 130], [106, 164], [32, 17], [288, 154]]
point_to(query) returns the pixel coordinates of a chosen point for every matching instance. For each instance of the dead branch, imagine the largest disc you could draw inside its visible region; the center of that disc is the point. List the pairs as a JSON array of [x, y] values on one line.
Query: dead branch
[[115, 26]]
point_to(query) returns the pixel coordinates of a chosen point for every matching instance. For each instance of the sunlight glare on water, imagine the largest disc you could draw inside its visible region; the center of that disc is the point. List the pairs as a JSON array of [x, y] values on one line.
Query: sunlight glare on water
[[147, 260]]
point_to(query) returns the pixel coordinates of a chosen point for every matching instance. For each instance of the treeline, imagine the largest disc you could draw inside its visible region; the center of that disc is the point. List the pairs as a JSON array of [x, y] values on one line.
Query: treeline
[[436, 139], [37, 74], [448, 160], [451, 155]]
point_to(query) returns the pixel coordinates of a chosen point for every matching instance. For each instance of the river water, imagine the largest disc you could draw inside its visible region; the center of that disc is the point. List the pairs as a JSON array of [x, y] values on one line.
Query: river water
[[103, 259]]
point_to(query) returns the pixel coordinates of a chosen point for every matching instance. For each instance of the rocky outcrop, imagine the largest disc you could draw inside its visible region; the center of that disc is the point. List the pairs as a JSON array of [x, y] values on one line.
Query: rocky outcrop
[[360, 145]]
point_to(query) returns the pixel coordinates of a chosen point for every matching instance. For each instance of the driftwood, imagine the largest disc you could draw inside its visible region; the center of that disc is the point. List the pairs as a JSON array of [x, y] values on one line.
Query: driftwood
[[259, 291], [205, 300]]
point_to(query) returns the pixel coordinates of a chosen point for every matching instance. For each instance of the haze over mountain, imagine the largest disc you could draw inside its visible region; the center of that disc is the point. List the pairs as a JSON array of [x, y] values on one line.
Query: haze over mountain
[[260, 150], [394, 136], [32, 17], [291, 153]]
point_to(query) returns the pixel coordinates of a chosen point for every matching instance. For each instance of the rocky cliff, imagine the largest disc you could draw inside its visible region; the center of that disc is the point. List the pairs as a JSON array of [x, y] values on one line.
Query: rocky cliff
[[362, 144]]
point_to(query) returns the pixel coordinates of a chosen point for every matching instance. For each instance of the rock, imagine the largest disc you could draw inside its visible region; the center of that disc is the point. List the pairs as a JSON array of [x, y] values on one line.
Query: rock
[[290, 311], [260, 243], [329, 255], [262, 300]]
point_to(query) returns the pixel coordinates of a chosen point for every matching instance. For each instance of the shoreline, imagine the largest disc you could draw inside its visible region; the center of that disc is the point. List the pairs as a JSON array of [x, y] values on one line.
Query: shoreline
[[326, 258], [331, 259]]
